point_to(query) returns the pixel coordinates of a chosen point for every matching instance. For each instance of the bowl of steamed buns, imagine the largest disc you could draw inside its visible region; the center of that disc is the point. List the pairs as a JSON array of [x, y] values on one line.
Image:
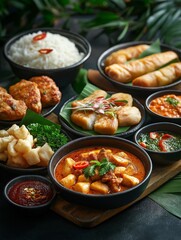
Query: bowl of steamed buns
[[130, 66], [102, 113], [52, 52], [100, 171], [164, 106]]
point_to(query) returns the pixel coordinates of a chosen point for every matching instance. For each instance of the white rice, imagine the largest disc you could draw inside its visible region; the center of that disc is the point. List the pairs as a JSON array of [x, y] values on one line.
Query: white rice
[[25, 51]]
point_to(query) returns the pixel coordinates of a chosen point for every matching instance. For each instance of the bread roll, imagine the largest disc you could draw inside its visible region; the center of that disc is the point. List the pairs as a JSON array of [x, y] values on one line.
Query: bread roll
[[161, 77], [127, 72], [126, 54]]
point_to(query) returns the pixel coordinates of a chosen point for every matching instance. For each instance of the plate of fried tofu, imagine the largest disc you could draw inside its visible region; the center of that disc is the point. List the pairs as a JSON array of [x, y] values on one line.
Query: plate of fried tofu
[[27, 147]]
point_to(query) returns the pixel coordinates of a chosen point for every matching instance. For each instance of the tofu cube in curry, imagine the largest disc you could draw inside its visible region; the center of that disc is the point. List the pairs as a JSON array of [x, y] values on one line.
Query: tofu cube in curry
[[67, 167], [83, 187], [68, 181], [130, 181], [100, 187]]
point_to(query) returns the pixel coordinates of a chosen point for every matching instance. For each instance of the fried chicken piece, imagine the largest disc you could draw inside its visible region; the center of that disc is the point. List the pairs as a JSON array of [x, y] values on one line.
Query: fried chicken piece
[[28, 92], [3, 90], [50, 93], [11, 109]]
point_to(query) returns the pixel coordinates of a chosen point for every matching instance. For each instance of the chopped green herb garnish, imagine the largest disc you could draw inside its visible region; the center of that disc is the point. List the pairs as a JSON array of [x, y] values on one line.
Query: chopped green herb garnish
[[172, 101], [103, 167], [47, 134]]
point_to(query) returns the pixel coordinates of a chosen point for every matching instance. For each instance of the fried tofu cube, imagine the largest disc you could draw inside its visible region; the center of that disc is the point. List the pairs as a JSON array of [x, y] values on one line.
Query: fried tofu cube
[[23, 146], [130, 181], [10, 148], [67, 167], [100, 187], [17, 161], [83, 187], [32, 157], [4, 141], [21, 133], [119, 171], [3, 133], [12, 129], [45, 153], [82, 178], [68, 181], [119, 161]]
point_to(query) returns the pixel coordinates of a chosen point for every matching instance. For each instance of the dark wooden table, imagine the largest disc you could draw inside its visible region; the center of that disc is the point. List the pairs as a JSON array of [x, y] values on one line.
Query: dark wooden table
[[143, 220]]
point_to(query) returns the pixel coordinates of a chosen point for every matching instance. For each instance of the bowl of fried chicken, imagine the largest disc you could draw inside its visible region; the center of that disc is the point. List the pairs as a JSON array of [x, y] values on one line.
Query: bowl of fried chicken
[[39, 94]]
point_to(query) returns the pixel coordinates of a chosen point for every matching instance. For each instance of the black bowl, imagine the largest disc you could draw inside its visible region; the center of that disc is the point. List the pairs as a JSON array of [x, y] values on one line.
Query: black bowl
[[156, 117], [126, 87], [34, 170], [62, 76], [31, 208], [76, 130], [97, 200], [161, 158]]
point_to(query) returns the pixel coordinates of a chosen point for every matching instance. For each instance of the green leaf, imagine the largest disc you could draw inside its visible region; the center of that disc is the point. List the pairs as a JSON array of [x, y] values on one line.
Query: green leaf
[[102, 167], [154, 48], [154, 18], [119, 3], [123, 33], [80, 81], [32, 117], [169, 196], [155, 28], [89, 171]]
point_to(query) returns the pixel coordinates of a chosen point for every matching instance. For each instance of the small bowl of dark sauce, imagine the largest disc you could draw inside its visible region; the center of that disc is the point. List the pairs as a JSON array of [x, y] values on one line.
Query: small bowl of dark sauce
[[30, 192]]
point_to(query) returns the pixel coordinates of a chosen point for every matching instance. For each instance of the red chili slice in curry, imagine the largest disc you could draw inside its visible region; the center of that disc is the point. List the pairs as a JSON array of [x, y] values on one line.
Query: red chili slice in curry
[[45, 50], [39, 37], [81, 164]]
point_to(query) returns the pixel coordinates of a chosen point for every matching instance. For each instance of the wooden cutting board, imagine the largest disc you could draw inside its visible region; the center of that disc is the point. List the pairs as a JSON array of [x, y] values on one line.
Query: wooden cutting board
[[89, 217]]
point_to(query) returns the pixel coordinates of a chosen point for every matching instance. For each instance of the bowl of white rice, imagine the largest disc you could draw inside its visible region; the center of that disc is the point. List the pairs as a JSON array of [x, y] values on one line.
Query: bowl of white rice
[[56, 53]]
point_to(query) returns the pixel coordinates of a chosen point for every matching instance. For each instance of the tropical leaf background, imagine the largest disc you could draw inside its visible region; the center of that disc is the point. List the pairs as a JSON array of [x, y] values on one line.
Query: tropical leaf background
[[119, 20]]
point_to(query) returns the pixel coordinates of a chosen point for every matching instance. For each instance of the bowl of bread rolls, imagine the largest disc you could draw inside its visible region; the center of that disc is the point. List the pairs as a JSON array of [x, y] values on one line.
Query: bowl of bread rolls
[[134, 68]]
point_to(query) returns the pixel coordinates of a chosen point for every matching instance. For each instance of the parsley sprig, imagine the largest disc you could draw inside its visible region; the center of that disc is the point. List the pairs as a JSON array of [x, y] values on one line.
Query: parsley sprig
[[172, 101], [103, 167], [47, 134]]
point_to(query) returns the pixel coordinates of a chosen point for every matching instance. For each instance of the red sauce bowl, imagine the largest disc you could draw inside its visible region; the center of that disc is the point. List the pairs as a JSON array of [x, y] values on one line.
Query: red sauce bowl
[[30, 192]]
